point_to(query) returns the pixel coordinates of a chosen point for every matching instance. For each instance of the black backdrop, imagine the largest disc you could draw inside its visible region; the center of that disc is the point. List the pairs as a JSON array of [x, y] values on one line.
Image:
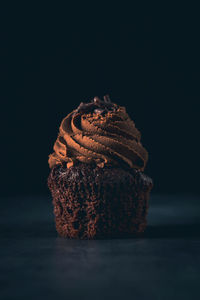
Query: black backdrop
[[148, 62]]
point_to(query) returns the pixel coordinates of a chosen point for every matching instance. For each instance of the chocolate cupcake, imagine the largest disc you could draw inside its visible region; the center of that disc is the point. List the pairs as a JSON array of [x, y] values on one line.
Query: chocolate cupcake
[[97, 182]]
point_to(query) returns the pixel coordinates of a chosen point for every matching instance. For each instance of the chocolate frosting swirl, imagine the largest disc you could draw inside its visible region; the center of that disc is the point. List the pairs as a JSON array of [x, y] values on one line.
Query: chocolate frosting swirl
[[100, 132]]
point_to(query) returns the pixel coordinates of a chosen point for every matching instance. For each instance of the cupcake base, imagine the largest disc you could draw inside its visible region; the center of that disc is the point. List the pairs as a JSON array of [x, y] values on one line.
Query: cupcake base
[[92, 202]]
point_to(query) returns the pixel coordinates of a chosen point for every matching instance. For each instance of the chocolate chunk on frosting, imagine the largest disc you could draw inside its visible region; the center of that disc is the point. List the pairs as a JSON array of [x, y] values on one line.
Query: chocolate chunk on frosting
[[99, 132], [97, 105]]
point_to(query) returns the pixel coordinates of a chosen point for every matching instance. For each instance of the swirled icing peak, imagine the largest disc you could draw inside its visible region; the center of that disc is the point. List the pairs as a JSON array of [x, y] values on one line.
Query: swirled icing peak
[[99, 132]]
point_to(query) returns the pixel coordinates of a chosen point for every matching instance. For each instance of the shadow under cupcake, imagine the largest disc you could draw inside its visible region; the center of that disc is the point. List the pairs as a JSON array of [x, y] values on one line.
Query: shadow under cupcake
[[96, 180]]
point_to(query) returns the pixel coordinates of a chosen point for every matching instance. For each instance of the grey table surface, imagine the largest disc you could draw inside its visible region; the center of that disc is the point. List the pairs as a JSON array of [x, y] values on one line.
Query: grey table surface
[[36, 264]]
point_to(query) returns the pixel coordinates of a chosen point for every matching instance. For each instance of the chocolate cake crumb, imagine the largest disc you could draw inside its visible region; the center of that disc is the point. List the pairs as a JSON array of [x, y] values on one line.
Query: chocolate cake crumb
[[100, 203]]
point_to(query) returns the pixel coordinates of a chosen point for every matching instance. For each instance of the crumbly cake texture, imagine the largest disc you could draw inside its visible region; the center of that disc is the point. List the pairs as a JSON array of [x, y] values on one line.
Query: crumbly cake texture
[[92, 202]]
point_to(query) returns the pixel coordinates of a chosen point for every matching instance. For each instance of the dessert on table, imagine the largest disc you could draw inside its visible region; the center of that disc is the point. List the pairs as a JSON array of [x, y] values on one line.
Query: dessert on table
[[97, 178]]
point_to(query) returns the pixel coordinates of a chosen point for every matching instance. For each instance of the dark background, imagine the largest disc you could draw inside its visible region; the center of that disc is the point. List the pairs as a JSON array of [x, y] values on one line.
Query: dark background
[[146, 60]]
